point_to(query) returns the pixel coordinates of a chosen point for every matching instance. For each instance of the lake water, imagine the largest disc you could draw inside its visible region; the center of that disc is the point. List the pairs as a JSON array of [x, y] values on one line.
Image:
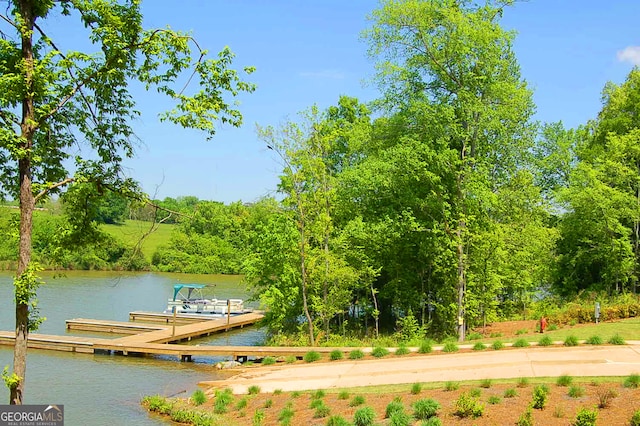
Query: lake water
[[103, 389]]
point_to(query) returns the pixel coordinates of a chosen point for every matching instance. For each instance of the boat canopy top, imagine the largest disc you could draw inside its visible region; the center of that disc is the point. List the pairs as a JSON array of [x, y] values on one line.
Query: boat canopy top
[[189, 287]]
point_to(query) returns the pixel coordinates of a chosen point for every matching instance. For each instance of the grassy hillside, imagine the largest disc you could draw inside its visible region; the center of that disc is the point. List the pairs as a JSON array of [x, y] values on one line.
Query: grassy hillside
[[133, 230]]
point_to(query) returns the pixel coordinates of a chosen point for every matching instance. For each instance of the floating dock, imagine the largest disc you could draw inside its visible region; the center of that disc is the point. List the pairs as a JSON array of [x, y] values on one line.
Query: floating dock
[[144, 339]]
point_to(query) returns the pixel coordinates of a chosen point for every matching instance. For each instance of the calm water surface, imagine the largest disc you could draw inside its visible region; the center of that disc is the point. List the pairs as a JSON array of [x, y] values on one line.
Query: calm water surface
[[103, 389]]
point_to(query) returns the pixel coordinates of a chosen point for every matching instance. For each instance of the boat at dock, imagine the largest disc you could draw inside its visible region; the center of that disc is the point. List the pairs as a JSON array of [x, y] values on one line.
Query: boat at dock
[[188, 299]]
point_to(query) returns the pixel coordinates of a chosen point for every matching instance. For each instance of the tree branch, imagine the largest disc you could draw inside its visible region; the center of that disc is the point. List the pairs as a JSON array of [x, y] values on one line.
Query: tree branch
[[53, 186]]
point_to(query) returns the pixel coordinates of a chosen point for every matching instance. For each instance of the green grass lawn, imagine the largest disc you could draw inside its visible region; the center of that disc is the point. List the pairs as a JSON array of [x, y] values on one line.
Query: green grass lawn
[[133, 230], [628, 329]]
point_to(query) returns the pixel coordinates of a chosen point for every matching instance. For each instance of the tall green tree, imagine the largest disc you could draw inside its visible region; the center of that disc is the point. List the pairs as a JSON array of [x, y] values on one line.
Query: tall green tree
[[450, 66], [53, 97]]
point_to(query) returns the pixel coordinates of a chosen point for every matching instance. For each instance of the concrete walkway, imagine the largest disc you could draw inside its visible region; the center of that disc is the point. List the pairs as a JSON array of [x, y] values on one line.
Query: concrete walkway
[[582, 360]]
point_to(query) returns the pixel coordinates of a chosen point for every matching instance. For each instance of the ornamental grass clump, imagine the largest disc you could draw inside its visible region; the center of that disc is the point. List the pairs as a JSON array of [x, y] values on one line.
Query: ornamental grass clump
[[364, 416], [336, 355], [379, 352], [312, 356], [616, 339], [198, 397], [564, 380], [356, 401], [424, 409], [571, 340], [479, 346], [450, 347], [497, 345], [356, 354], [594, 340], [416, 388], [633, 381], [426, 347], [521, 343], [393, 407], [402, 350], [545, 341], [268, 360]]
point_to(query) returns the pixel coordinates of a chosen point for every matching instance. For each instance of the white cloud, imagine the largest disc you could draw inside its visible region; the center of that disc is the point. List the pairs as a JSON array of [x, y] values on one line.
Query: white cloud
[[630, 54], [329, 74]]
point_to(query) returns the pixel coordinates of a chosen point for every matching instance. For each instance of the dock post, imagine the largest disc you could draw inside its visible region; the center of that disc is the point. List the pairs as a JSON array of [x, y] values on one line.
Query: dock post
[[228, 313], [173, 331]]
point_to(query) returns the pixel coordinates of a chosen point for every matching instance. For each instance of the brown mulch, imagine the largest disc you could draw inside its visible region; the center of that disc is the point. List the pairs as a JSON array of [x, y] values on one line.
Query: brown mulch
[[560, 409]]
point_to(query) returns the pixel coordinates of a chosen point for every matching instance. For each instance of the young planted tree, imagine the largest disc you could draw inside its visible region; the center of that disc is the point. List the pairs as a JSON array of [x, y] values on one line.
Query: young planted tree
[[450, 67], [53, 98]]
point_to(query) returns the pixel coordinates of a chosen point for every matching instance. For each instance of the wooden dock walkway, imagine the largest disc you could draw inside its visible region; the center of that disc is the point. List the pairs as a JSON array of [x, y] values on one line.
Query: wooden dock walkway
[[117, 327], [149, 339], [161, 317]]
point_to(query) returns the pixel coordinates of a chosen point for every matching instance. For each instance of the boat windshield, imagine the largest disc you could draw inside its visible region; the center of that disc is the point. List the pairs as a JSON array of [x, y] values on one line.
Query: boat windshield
[[189, 289]]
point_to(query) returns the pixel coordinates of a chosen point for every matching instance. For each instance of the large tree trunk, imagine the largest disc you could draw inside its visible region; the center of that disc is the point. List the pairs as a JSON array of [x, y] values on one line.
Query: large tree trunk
[[303, 271], [27, 129]]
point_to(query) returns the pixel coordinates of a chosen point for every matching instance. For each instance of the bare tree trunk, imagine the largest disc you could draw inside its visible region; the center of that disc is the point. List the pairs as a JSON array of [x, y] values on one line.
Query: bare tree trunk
[[462, 281], [377, 311], [27, 128], [303, 271]]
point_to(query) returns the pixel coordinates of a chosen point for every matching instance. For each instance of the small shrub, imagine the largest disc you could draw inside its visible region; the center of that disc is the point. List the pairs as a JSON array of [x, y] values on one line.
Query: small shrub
[[523, 382], [315, 403], [158, 404], [402, 350], [635, 419], [571, 340], [253, 390], [425, 408], [450, 347], [522, 331], [198, 397], [433, 421], [356, 354], [337, 421], [616, 339], [268, 360], [277, 391], [510, 393], [594, 340], [322, 411], [479, 346], [426, 347], [295, 394], [526, 418], [400, 418], [545, 341], [219, 406], [497, 345], [485, 383], [416, 388], [285, 415], [451, 386], [540, 397], [290, 359], [268, 403], [356, 400], [258, 418], [552, 327], [319, 394], [475, 392], [633, 381], [496, 334], [467, 406], [605, 396], [242, 403], [558, 411], [343, 394], [564, 380], [364, 416], [576, 391], [494, 399], [335, 355], [379, 352], [393, 407], [312, 356], [474, 336], [586, 417], [521, 343]]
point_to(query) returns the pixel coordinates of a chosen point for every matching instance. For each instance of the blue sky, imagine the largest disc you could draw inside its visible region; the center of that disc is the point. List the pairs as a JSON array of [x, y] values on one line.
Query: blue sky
[[310, 52]]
